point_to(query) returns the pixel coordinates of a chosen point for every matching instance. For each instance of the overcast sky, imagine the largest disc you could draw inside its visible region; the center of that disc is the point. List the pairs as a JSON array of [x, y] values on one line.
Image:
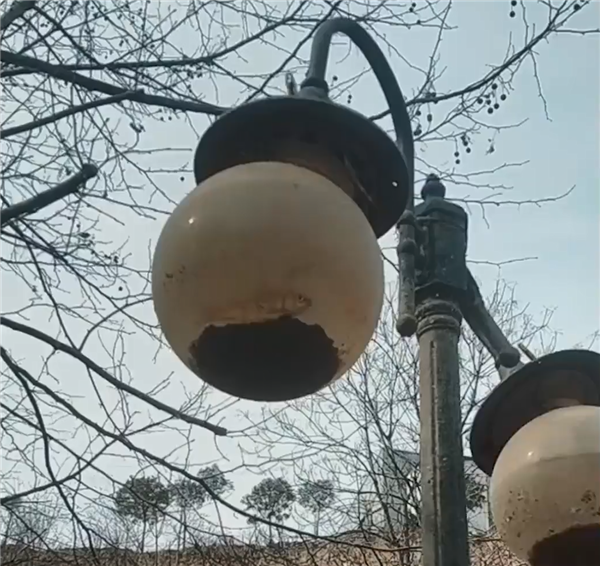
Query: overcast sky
[[557, 146]]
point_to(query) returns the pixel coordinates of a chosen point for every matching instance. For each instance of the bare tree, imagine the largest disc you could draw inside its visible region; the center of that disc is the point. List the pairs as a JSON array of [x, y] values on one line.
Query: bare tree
[[316, 497], [94, 93], [28, 526], [189, 497], [363, 432], [144, 500], [270, 499]]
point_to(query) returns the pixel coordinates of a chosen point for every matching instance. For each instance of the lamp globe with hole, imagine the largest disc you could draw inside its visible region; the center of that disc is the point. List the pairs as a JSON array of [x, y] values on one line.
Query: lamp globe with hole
[[538, 434], [267, 278]]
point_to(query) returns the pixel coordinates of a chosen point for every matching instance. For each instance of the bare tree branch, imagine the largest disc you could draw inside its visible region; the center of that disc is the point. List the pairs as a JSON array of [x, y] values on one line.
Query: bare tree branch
[[16, 10], [60, 346], [50, 196], [8, 132], [95, 85]]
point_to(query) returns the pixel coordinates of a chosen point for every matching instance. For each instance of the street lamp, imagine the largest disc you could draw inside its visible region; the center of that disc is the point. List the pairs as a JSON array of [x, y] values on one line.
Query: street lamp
[[267, 278], [268, 284], [538, 436]]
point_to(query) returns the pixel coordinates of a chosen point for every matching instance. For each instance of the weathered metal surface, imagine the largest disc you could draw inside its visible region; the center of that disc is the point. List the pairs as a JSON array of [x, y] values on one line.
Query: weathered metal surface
[[444, 514], [441, 284], [258, 130]]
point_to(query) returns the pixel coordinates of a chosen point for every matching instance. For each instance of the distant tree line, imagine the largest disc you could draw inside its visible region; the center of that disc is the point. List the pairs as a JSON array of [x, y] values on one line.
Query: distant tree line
[[144, 499], [143, 502]]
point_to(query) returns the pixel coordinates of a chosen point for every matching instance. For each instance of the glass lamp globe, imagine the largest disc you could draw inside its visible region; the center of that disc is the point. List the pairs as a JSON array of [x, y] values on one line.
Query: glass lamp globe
[[545, 489], [267, 281]]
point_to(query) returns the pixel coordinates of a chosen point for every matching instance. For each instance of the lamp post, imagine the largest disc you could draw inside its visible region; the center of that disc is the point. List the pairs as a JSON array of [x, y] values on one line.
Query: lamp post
[[268, 284]]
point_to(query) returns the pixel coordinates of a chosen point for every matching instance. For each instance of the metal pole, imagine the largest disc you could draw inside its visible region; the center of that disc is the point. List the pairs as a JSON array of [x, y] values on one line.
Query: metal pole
[[441, 283], [436, 277], [444, 520]]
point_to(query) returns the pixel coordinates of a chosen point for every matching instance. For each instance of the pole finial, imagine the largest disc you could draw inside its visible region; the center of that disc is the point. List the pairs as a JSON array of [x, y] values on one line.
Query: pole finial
[[433, 187]]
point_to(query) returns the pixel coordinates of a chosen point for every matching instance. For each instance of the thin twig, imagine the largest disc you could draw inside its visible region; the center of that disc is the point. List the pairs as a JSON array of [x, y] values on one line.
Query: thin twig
[[6, 133], [492, 75], [59, 72], [173, 63], [46, 198], [62, 347]]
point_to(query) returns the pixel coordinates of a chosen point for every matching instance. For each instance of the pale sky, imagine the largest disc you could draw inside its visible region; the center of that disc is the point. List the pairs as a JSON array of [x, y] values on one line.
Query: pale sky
[[557, 152]]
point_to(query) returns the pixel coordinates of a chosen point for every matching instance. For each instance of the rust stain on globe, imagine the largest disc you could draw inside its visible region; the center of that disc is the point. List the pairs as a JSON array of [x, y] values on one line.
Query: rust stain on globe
[[273, 360]]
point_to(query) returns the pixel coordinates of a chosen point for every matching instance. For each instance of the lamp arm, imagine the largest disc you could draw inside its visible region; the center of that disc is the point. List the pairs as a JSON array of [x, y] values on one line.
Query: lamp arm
[[315, 78], [485, 328], [385, 76]]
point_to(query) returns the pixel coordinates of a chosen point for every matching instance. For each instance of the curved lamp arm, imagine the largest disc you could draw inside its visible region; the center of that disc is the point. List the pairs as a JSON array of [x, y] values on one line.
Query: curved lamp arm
[[317, 68], [315, 78]]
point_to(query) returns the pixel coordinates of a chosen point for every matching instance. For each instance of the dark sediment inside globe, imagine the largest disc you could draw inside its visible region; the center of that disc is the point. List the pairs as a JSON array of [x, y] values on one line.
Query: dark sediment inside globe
[[579, 546], [274, 360]]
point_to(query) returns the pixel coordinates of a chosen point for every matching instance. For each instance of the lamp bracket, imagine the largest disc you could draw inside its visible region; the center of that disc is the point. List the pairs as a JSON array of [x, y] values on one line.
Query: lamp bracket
[[440, 251]]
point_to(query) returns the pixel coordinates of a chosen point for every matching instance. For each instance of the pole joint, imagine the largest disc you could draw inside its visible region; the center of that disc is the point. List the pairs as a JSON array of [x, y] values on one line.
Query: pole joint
[[435, 314]]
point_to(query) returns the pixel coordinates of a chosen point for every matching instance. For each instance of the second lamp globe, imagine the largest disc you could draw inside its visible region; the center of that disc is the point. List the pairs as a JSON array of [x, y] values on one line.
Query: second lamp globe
[[268, 281], [545, 489]]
